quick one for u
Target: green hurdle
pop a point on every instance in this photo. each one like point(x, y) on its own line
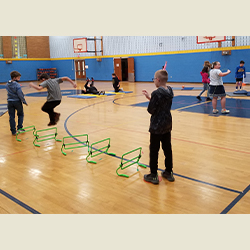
point(24, 130)
point(51, 136)
point(86, 142)
point(127, 163)
point(91, 152)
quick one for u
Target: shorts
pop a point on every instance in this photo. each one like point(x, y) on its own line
point(216, 91)
point(239, 79)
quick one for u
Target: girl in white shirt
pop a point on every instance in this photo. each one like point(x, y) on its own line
point(216, 88)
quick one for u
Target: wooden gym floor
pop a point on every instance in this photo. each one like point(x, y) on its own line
point(210, 152)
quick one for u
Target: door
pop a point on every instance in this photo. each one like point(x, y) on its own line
point(131, 69)
point(118, 67)
point(80, 69)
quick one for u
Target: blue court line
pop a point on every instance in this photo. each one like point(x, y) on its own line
point(33, 211)
point(235, 201)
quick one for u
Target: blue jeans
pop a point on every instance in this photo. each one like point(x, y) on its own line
point(14, 106)
point(205, 87)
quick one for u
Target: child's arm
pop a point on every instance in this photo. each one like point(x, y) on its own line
point(21, 96)
point(226, 73)
point(164, 68)
point(145, 92)
point(65, 78)
point(31, 84)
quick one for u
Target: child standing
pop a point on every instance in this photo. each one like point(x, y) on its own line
point(54, 95)
point(15, 98)
point(239, 72)
point(159, 107)
point(205, 81)
point(216, 88)
point(116, 83)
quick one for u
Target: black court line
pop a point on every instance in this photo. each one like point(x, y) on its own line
point(118, 157)
point(235, 201)
point(20, 203)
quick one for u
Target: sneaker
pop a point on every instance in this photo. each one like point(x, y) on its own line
point(208, 99)
point(14, 134)
point(199, 98)
point(51, 124)
point(21, 130)
point(225, 111)
point(168, 176)
point(57, 116)
point(152, 179)
point(215, 111)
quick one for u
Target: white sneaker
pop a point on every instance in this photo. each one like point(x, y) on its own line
point(215, 111)
point(225, 111)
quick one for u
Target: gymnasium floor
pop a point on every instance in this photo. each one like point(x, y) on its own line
point(210, 152)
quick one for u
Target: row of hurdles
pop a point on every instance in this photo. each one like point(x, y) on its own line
point(80, 143)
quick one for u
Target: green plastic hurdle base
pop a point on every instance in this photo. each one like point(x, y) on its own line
point(130, 162)
point(91, 152)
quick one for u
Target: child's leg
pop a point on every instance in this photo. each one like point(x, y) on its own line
point(237, 83)
point(154, 151)
point(12, 111)
point(214, 102)
point(167, 149)
point(223, 102)
point(20, 115)
point(240, 83)
point(48, 107)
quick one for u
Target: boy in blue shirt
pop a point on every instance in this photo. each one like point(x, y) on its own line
point(15, 98)
point(239, 72)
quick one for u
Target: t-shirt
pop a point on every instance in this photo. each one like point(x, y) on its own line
point(215, 79)
point(54, 91)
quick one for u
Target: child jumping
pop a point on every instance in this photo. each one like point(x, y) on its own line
point(54, 95)
point(159, 107)
point(15, 98)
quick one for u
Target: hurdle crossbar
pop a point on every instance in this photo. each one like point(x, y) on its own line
point(84, 143)
point(24, 130)
point(91, 151)
point(51, 136)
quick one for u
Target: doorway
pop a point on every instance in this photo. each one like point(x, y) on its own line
point(124, 69)
point(80, 72)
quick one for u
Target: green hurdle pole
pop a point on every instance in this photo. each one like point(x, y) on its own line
point(37, 137)
point(127, 163)
point(26, 129)
point(91, 152)
point(74, 143)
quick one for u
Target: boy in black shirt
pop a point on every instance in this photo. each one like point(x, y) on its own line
point(159, 107)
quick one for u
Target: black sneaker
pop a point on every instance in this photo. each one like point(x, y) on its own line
point(199, 98)
point(151, 178)
point(21, 130)
point(168, 176)
point(208, 99)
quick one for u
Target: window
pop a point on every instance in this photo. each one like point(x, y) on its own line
point(19, 48)
point(1, 47)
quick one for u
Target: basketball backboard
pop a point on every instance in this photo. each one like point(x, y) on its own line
point(80, 45)
point(210, 39)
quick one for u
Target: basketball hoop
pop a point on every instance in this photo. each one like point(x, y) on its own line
point(210, 39)
point(80, 45)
